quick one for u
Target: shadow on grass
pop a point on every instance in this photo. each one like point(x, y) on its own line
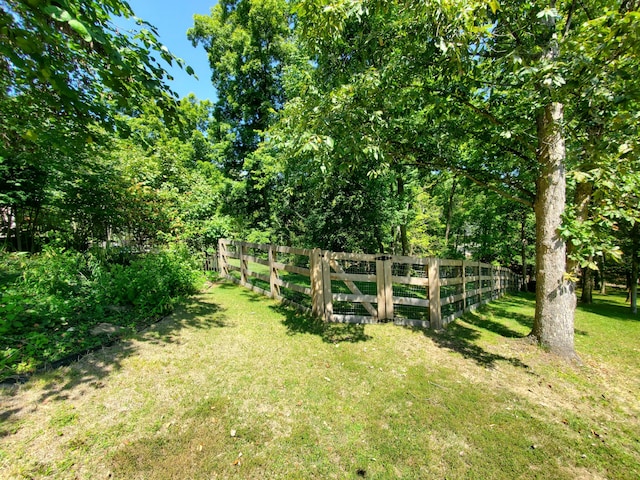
point(250, 295)
point(300, 323)
point(462, 339)
point(88, 370)
point(481, 320)
point(610, 306)
point(463, 335)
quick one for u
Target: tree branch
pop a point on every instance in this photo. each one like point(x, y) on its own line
point(569, 17)
point(494, 120)
point(493, 188)
point(443, 164)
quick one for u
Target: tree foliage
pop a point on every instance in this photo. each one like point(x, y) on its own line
point(78, 59)
point(249, 44)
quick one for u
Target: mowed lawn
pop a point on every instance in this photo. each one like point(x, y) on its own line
point(234, 385)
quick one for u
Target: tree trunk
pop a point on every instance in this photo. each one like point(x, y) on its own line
point(5, 215)
point(555, 294)
point(587, 285)
point(584, 192)
point(603, 285)
point(450, 212)
point(33, 228)
point(523, 239)
point(18, 229)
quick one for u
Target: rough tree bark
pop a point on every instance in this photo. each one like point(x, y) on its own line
point(404, 239)
point(555, 293)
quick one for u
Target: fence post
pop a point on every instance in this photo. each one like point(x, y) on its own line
point(317, 290)
point(274, 288)
point(464, 287)
point(327, 294)
point(382, 314)
point(435, 316)
point(388, 288)
point(496, 282)
point(244, 266)
point(504, 283)
point(480, 287)
point(222, 260)
point(384, 284)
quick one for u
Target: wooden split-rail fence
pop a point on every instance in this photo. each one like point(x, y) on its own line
point(365, 288)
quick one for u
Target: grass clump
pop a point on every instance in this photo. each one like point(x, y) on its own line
point(235, 385)
point(51, 302)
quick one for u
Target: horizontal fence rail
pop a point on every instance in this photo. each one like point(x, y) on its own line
point(365, 288)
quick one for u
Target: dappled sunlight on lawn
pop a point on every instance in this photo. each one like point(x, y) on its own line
point(465, 339)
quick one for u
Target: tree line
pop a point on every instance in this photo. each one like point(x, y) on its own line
point(504, 131)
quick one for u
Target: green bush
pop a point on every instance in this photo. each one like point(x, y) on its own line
point(50, 302)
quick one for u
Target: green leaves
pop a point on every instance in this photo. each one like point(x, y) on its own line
point(85, 76)
point(61, 15)
point(80, 29)
point(549, 15)
point(58, 13)
point(58, 296)
point(250, 45)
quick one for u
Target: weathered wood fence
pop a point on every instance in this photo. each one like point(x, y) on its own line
point(364, 288)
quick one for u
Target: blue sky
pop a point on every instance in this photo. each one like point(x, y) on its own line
point(173, 19)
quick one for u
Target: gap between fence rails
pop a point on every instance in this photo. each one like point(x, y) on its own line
point(404, 289)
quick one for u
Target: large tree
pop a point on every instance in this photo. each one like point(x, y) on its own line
point(249, 44)
point(66, 72)
point(479, 88)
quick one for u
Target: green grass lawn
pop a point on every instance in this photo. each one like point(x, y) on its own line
point(234, 385)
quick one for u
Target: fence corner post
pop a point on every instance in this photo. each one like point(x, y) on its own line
point(317, 289)
point(435, 315)
point(327, 293)
point(274, 288)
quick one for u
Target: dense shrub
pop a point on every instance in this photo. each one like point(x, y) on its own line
point(50, 302)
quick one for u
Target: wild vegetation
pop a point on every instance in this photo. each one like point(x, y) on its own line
point(61, 304)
